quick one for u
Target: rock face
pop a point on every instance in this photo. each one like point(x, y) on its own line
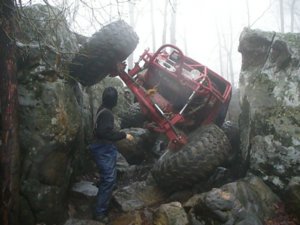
point(56, 114)
point(49, 114)
point(48, 134)
point(247, 201)
point(270, 102)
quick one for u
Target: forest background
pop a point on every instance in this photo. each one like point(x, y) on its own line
point(207, 31)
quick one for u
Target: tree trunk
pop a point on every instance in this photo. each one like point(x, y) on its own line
point(9, 153)
point(185, 44)
point(173, 23)
point(228, 46)
point(281, 16)
point(164, 32)
point(152, 26)
point(131, 21)
point(220, 53)
point(293, 15)
point(248, 13)
point(230, 68)
point(230, 63)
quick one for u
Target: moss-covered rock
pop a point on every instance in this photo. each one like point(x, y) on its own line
point(275, 163)
point(270, 102)
point(50, 114)
point(48, 203)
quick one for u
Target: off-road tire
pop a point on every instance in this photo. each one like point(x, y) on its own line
point(236, 163)
point(132, 117)
point(233, 134)
point(98, 57)
point(207, 149)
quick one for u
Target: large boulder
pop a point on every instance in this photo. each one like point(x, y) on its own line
point(50, 131)
point(138, 195)
point(247, 201)
point(270, 102)
point(170, 214)
point(140, 149)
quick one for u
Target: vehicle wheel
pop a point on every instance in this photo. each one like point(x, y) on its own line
point(233, 134)
point(236, 164)
point(132, 117)
point(98, 57)
point(207, 149)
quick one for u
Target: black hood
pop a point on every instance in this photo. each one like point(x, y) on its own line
point(109, 97)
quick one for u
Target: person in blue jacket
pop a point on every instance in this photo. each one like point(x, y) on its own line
point(104, 151)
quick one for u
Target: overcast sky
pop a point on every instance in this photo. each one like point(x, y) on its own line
point(197, 23)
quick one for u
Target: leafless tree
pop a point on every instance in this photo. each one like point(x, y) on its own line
point(288, 9)
point(228, 47)
point(262, 14)
point(164, 31)
point(220, 51)
point(152, 25)
point(173, 22)
point(292, 11)
point(132, 23)
point(281, 9)
point(185, 43)
point(248, 13)
point(225, 46)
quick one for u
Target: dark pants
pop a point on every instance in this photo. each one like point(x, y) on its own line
point(105, 156)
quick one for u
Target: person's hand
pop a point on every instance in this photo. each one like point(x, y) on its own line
point(129, 137)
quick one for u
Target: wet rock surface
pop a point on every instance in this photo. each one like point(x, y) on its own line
point(269, 95)
point(170, 214)
point(140, 149)
point(243, 202)
point(138, 195)
point(275, 163)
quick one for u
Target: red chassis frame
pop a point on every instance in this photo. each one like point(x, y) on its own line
point(190, 75)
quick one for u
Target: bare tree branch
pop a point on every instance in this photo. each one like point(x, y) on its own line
point(263, 13)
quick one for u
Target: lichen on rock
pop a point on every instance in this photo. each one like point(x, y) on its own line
point(270, 94)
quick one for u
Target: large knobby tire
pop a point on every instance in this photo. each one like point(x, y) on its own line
point(233, 134)
point(98, 57)
point(207, 149)
point(132, 117)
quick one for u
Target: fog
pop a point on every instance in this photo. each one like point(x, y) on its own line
point(206, 30)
